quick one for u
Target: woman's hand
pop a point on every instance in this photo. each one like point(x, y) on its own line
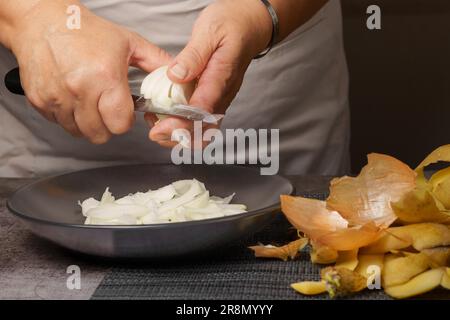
point(78, 78)
point(227, 35)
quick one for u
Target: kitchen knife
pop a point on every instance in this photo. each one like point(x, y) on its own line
point(12, 83)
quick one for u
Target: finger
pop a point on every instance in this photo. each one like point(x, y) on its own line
point(162, 130)
point(34, 100)
point(219, 82)
point(49, 116)
point(65, 117)
point(202, 144)
point(192, 60)
point(42, 111)
point(147, 56)
point(90, 122)
point(167, 144)
point(117, 109)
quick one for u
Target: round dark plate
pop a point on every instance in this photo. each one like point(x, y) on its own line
point(49, 208)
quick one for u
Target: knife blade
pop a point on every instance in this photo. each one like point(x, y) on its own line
point(12, 83)
point(177, 110)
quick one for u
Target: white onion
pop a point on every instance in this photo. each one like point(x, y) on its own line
point(183, 200)
point(162, 92)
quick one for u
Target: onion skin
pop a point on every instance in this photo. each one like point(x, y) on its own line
point(358, 208)
point(327, 227)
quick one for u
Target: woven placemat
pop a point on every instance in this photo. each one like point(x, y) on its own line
point(231, 273)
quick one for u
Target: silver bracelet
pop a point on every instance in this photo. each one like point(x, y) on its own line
point(275, 29)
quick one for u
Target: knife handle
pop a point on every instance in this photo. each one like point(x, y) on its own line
point(12, 82)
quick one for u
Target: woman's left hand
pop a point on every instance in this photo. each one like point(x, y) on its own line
point(227, 35)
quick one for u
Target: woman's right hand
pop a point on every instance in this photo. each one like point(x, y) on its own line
point(79, 77)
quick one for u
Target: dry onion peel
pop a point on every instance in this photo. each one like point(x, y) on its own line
point(358, 209)
point(285, 252)
point(367, 197)
point(324, 226)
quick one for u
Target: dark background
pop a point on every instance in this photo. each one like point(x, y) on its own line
point(399, 78)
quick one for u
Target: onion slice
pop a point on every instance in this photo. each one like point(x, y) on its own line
point(182, 200)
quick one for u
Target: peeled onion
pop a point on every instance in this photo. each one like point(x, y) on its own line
point(162, 92)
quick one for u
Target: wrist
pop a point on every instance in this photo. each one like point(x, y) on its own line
point(32, 16)
point(263, 30)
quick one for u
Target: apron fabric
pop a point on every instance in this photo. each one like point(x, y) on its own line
point(300, 87)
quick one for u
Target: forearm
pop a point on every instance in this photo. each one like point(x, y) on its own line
point(293, 13)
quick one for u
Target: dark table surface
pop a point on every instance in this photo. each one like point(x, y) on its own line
point(32, 268)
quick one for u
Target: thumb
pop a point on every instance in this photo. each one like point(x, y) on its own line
point(192, 60)
point(146, 55)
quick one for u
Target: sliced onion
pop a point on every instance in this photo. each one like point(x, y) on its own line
point(88, 204)
point(114, 211)
point(163, 194)
point(182, 200)
point(199, 201)
point(107, 197)
point(194, 189)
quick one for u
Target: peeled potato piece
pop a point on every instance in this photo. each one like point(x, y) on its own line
point(445, 282)
point(420, 205)
point(420, 284)
point(420, 236)
point(429, 235)
point(440, 183)
point(387, 243)
point(438, 257)
point(347, 259)
point(427, 202)
point(368, 260)
point(401, 269)
point(322, 254)
point(310, 287)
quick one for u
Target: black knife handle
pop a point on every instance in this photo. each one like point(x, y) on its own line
point(12, 82)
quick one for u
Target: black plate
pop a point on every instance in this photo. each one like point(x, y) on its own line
point(49, 208)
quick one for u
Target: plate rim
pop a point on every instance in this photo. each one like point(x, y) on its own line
point(265, 210)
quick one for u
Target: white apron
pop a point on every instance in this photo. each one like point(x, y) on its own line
point(300, 87)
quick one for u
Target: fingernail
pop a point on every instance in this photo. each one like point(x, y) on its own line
point(179, 71)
